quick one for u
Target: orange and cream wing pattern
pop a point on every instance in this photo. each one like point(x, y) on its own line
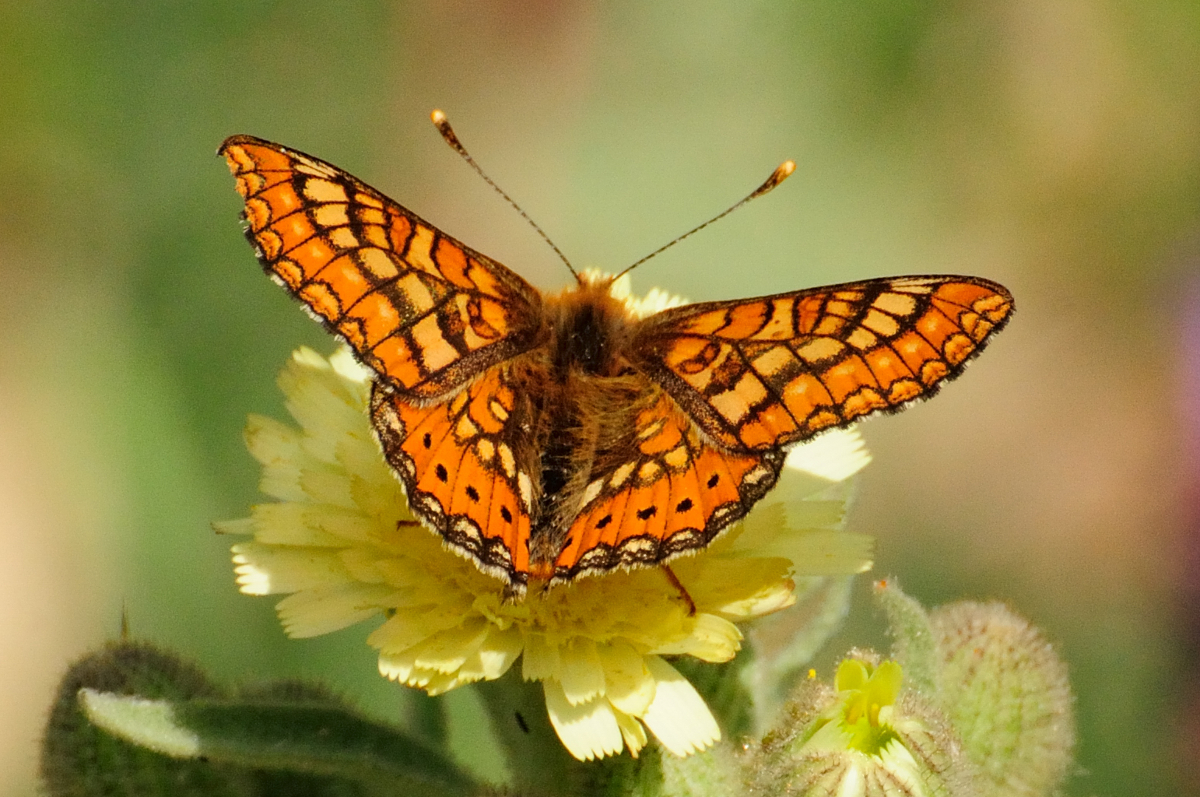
point(758, 374)
point(424, 311)
point(669, 492)
point(467, 468)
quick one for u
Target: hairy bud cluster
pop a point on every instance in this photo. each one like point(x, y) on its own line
point(978, 704)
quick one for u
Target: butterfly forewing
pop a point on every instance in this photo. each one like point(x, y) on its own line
point(421, 309)
point(762, 373)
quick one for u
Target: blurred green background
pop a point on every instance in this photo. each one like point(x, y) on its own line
point(1053, 145)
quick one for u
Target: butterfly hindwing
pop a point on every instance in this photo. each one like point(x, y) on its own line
point(467, 469)
point(758, 374)
point(668, 494)
point(424, 311)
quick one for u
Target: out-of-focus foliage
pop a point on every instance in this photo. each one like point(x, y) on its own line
point(1053, 146)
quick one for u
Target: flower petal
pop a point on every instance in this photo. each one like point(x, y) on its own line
point(438, 683)
point(277, 447)
point(322, 400)
point(775, 516)
point(834, 456)
point(678, 716)
point(328, 608)
point(632, 731)
point(712, 638)
point(405, 630)
point(346, 366)
point(271, 569)
point(541, 659)
point(493, 658)
point(588, 730)
point(628, 684)
point(823, 552)
point(402, 668)
point(328, 487)
point(241, 526)
point(737, 587)
point(294, 523)
point(581, 675)
point(446, 650)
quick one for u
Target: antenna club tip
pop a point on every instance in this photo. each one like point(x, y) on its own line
point(443, 127)
point(781, 173)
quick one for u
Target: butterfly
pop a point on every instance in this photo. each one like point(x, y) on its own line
point(552, 436)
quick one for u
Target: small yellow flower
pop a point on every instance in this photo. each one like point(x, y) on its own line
point(340, 539)
point(867, 696)
point(869, 739)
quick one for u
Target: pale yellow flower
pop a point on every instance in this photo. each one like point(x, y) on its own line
point(340, 539)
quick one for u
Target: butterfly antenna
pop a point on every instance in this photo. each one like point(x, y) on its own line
point(443, 125)
point(781, 173)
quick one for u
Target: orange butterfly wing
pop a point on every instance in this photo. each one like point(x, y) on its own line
point(433, 318)
point(673, 493)
point(421, 309)
point(468, 468)
point(758, 374)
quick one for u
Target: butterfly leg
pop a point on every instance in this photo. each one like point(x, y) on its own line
point(691, 604)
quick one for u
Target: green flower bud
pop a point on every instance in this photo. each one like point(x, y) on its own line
point(1006, 692)
point(81, 760)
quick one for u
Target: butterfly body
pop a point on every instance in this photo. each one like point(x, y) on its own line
point(549, 437)
point(584, 399)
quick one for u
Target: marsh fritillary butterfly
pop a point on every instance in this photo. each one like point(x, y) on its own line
point(553, 436)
